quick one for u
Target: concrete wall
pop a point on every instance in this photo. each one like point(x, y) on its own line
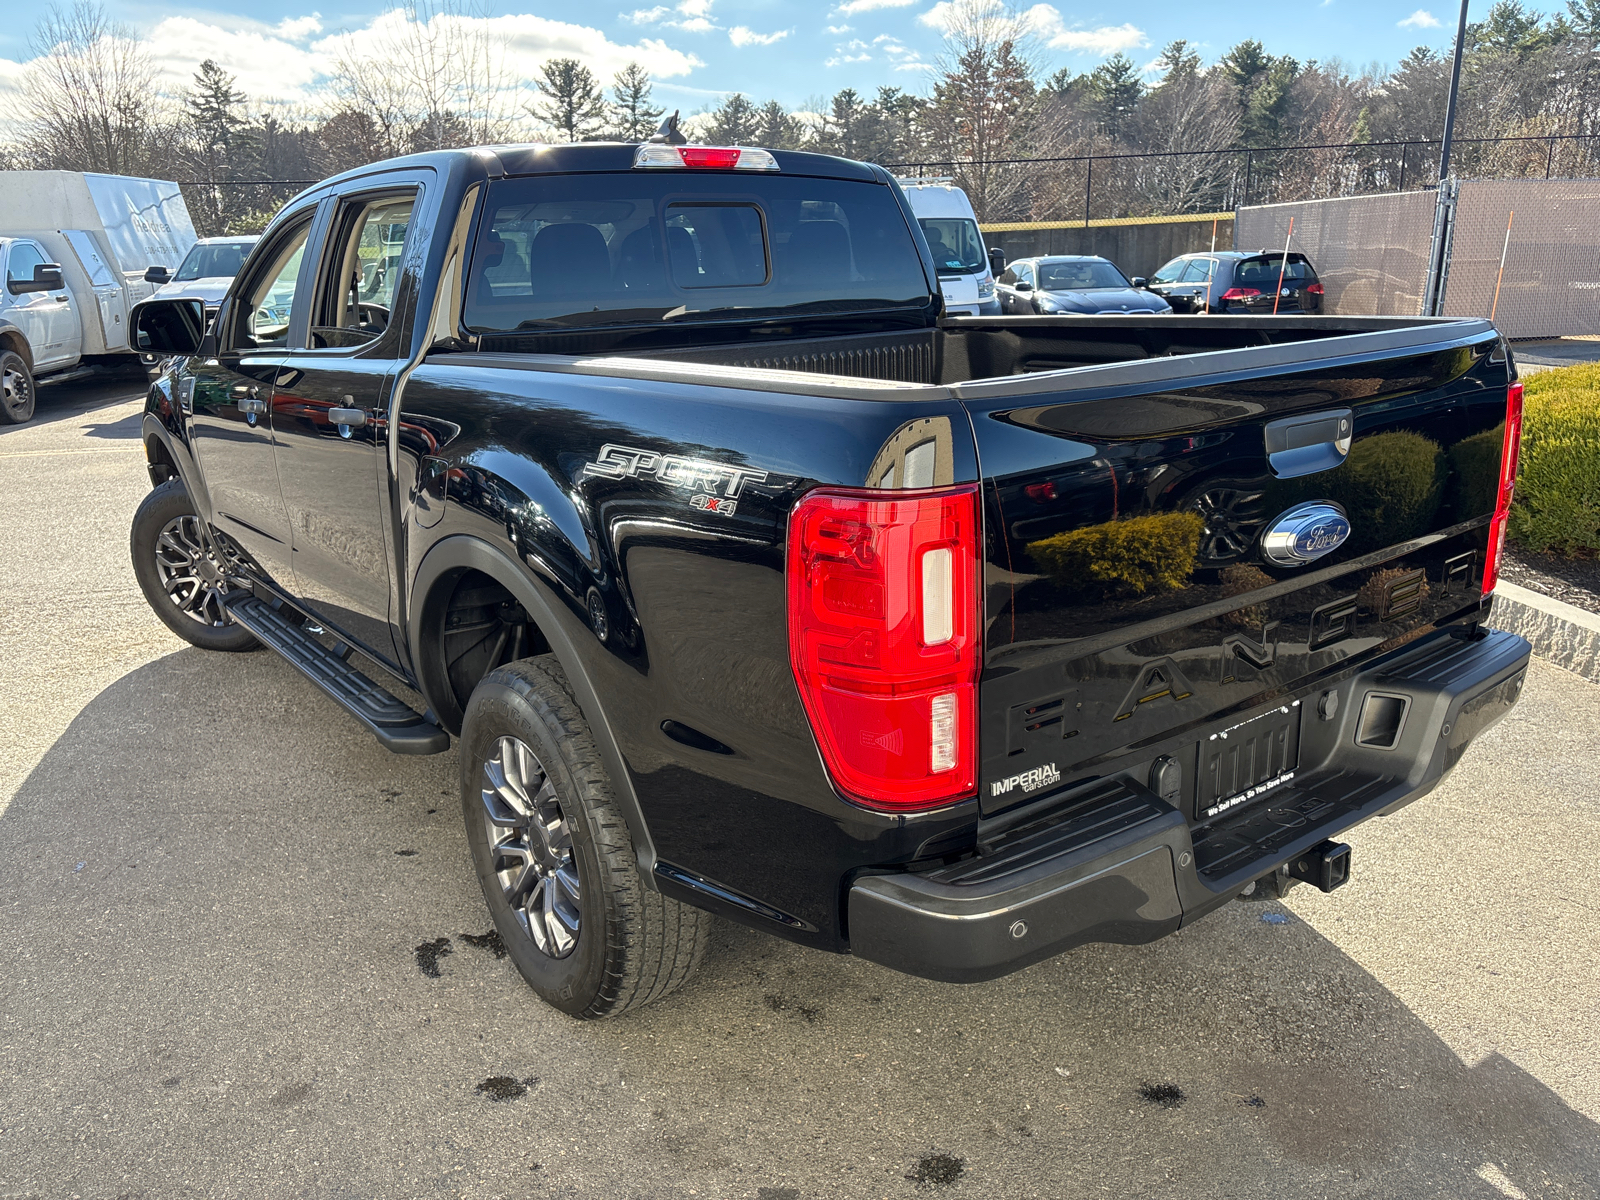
point(1136, 244)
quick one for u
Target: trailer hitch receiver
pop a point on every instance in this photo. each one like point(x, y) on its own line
point(1326, 865)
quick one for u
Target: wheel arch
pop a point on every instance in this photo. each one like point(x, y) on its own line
point(11, 338)
point(441, 569)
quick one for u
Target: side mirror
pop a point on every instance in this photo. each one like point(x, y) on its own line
point(1022, 285)
point(158, 275)
point(997, 260)
point(1139, 281)
point(46, 278)
point(169, 326)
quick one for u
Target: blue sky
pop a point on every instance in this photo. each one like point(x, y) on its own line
point(794, 51)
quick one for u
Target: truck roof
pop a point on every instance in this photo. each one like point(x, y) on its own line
point(535, 158)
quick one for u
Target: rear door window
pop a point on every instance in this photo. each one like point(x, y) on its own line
point(636, 247)
point(1199, 270)
point(1172, 272)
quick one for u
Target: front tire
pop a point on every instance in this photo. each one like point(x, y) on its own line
point(554, 856)
point(18, 393)
point(178, 571)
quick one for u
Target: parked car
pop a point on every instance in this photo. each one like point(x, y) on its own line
point(751, 586)
point(1231, 281)
point(1072, 283)
point(946, 219)
point(76, 248)
point(206, 271)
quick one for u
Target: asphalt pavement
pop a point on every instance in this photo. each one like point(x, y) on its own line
point(241, 955)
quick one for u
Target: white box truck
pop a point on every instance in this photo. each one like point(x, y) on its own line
point(951, 227)
point(74, 249)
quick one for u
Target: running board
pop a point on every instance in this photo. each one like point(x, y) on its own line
point(396, 725)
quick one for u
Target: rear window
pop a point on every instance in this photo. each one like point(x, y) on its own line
point(1263, 269)
point(627, 248)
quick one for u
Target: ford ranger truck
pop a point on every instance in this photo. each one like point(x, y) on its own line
point(744, 582)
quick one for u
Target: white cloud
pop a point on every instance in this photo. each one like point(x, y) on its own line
point(1045, 23)
point(289, 63)
point(1421, 19)
point(297, 29)
point(691, 16)
point(740, 36)
point(851, 7)
point(837, 59)
point(840, 28)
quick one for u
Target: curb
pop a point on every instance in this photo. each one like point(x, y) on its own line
point(1559, 632)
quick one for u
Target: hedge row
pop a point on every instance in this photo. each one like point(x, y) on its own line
point(1558, 486)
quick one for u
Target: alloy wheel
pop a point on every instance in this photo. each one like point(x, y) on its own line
point(1233, 517)
point(190, 574)
point(530, 845)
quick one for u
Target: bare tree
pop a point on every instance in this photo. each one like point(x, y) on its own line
point(430, 75)
point(88, 100)
point(1190, 109)
point(984, 101)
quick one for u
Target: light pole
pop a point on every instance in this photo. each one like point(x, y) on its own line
point(1455, 88)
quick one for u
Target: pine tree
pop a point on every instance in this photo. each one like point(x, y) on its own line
point(777, 130)
point(633, 117)
point(573, 105)
point(1114, 90)
point(211, 106)
point(735, 122)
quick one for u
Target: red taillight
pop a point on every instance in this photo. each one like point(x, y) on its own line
point(1510, 450)
point(717, 158)
point(884, 640)
point(1241, 293)
point(1314, 288)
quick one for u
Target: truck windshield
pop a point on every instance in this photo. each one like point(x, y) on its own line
point(625, 248)
point(956, 245)
point(213, 260)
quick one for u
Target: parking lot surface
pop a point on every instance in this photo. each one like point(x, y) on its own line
point(241, 955)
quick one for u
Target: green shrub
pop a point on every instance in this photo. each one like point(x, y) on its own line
point(1558, 486)
point(1391, 487)
point(1134, 555)
point(1475, 474)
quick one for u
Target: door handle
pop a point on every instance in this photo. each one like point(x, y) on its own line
point(353, 417)
point(253, 405)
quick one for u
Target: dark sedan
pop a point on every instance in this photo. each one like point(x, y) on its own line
point(1072, 283)
point(1233, 281)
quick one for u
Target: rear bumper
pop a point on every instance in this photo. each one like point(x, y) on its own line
point(1117, 864)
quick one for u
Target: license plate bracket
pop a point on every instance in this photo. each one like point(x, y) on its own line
point(1247, 761)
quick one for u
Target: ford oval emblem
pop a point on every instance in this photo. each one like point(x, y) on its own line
point(1305, 533)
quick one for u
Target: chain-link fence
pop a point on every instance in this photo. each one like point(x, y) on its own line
point(1551, 282)
point(1094, 186)
point(1525, 252)
point(1370, 252)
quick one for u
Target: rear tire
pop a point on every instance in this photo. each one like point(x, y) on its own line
point(181, 579)
point(554, 857)
point(18, 393)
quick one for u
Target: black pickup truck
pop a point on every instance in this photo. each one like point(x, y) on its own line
point(752, 586)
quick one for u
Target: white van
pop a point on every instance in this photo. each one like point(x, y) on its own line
point(74, 249)
point(951, 227)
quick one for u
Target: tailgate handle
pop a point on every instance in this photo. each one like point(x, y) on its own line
point(1307, 444)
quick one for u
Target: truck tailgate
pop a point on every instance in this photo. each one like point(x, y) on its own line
point(1138, 617)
